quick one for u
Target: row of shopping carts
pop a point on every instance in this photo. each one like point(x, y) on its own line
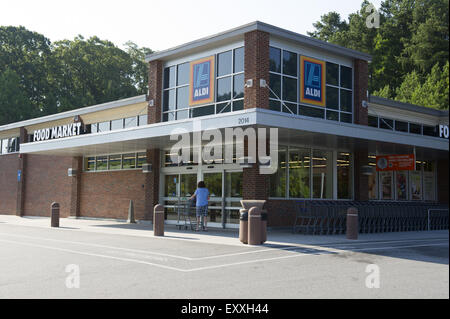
point(329, 217)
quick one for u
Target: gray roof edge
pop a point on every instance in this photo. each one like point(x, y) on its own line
point(407, 106)
point(79, 111)
point(258, 25)
point(309, 41)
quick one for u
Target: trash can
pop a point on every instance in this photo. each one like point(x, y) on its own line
point(54, 217)
point(254, 226)
point(243, 225)
point(263, 226)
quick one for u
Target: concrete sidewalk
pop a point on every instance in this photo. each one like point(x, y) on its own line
point(213, 236)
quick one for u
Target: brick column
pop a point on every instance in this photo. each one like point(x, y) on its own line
point(155, 78)
point(361, 78)
point(155, 86)
point(256, 67)
point(361, 84)
point(152, 183)
point(75, 187)
point(254, 184)
point(22, 166)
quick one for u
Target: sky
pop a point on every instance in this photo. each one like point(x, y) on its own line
point(163, 24)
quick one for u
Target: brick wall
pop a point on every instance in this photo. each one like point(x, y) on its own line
point(256, 67)
point(361, 78)
point(8, 183)
point(155, 77)
point(46, 181)
point(108, 194)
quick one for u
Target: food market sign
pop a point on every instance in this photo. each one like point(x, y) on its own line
point(56, 132)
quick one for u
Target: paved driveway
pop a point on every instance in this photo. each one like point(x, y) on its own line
point(105, 259)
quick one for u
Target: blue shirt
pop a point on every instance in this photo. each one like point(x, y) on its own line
point(201, 195)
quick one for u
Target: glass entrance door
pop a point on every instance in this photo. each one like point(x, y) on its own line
point(233, 196)
point(225, 189)
point(213, 182)
point(177, 187)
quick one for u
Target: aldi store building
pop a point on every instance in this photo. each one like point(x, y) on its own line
point(335, 141)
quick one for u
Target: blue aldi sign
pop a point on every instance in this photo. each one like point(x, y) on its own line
point(312, 81)
point(202, 81)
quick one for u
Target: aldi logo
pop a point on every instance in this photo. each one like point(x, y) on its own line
point(202, 81)
point(312, 81)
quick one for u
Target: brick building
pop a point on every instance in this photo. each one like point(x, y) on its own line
point(330, 136)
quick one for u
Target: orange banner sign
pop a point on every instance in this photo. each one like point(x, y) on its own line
point(396, 162)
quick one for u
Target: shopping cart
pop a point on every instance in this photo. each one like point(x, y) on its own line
point(186, 214)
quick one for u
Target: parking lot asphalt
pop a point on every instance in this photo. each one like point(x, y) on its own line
point(116, 260)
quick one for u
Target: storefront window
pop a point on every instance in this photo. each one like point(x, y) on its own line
point(104, 126)
point(188, 184)
point(322, 174)
point(115, 162)
point(141, 159)
point(183, 74)
point(278, 179)
point(386, 185)
point(89, 163)
point(143, 119)
point(299, 172)
point(373, 185)
point(429, 192)
point(416, 185)
point(213, 182)
point(129, 161)
point(401, 185)
point(224, 63)
point(233, 184)
point(102, 163)
point(344, 175)
point(170, 185)
point(130, 122)
point(229, 88)
point(290, 63)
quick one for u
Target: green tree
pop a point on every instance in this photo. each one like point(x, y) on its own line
point(412, 38)
point(328, 26)
point(29, 55)
point(15, 104)
point(140, 67)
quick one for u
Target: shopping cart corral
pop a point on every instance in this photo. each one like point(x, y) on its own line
point(186, 214)
point(329, 217)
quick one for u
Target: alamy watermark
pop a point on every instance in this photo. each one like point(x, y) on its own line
point(232, 145)
point(73, 279)
point(373, 279)
point(373, 19)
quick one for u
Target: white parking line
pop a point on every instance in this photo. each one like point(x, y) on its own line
point(99, 246)
point(327, 250)
point(91, 254)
